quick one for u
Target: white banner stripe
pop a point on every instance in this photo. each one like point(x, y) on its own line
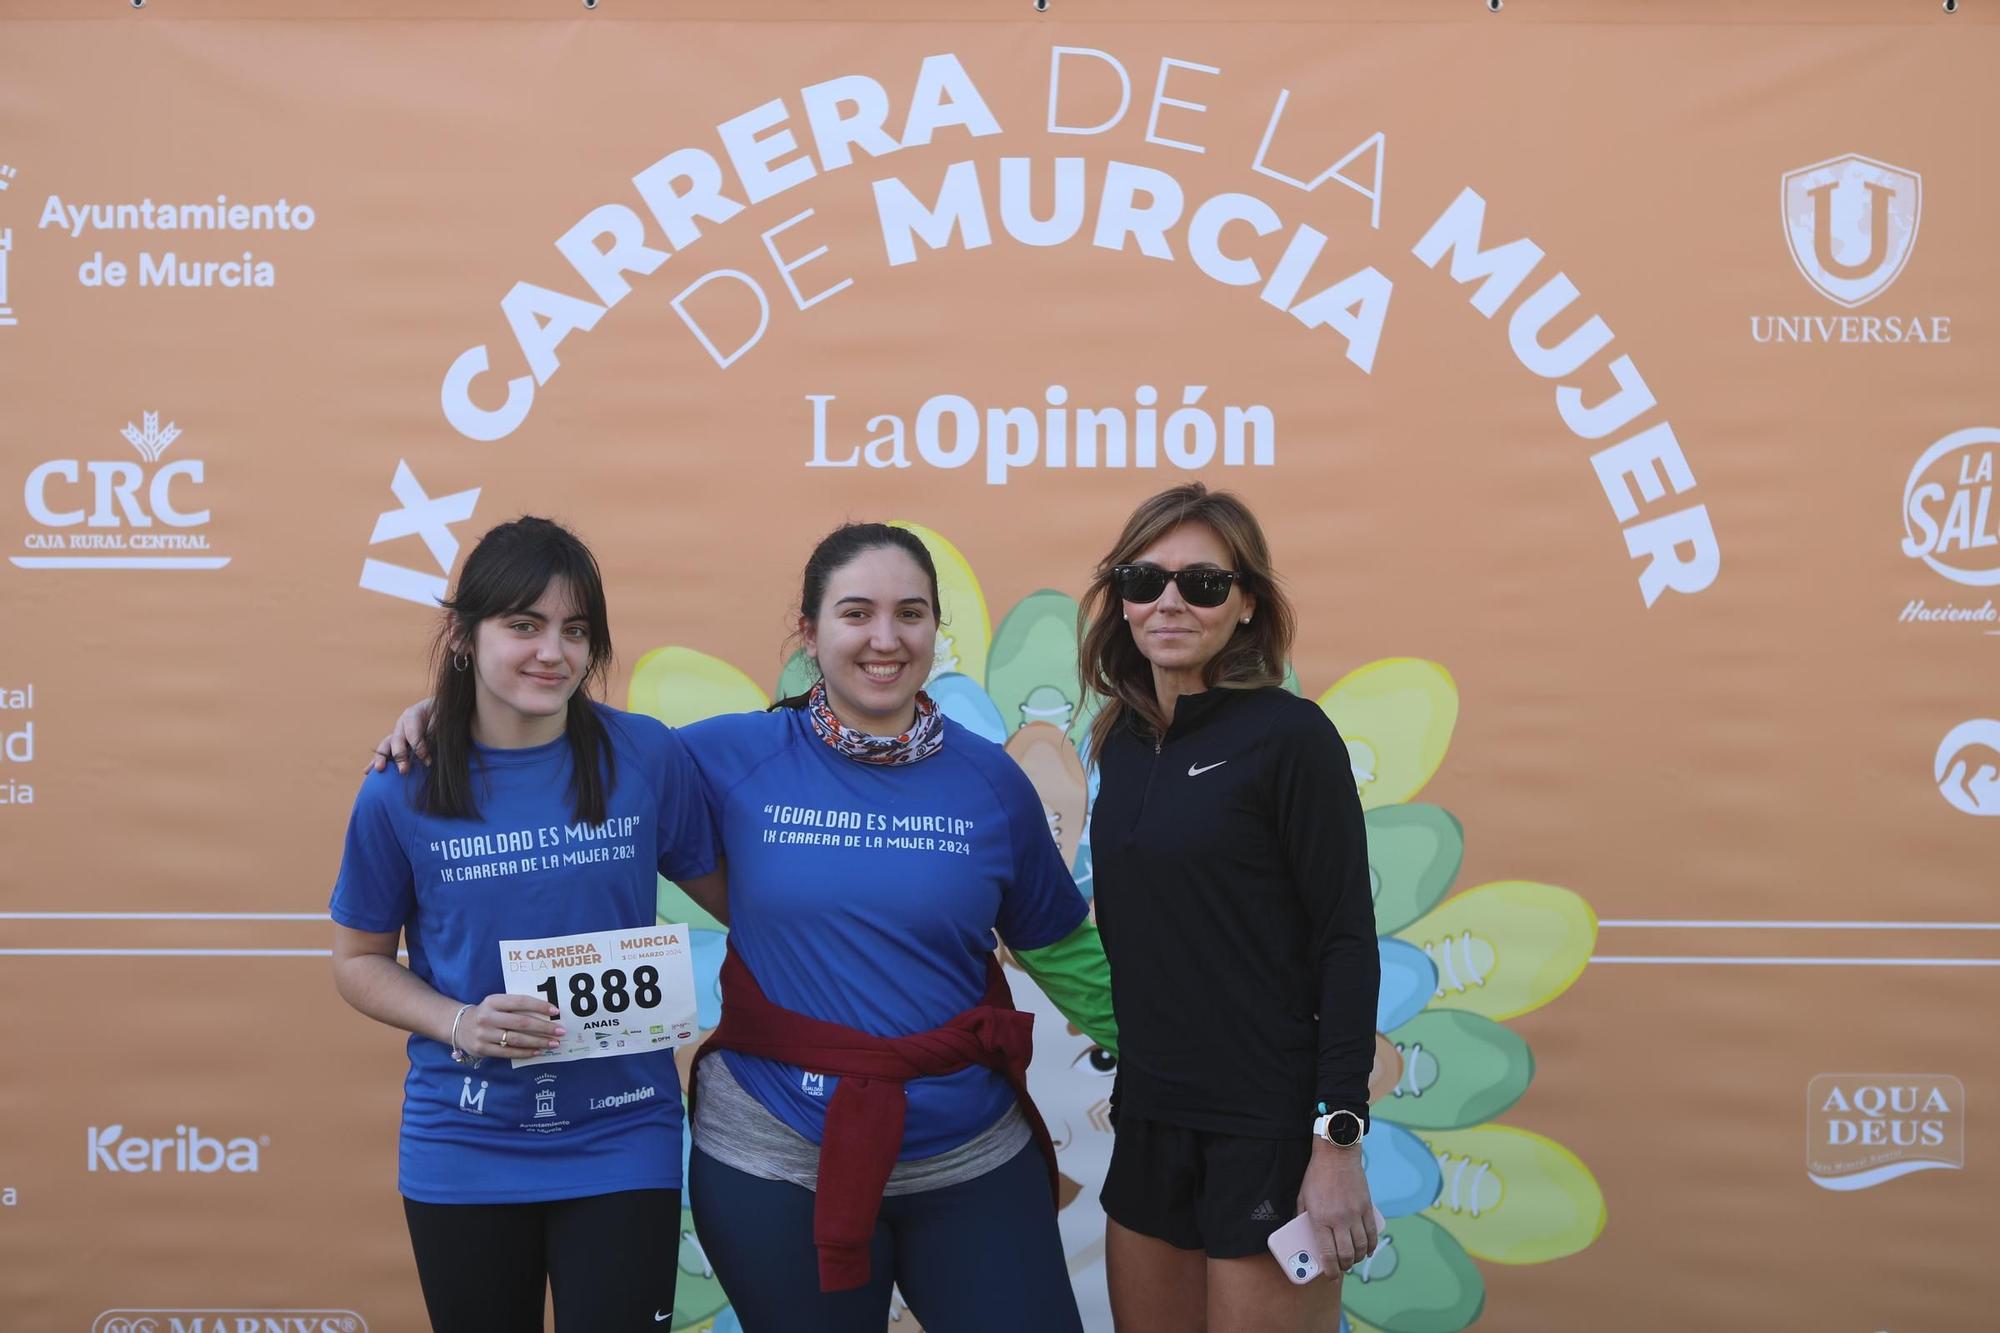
point(166, 953)
point(1635, 924)
point(1609, 923)
point(1659, 960)
point(1746, 961)
point(164, 916)
point(120, 561)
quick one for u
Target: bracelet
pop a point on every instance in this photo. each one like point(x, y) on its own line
point(459, 1056)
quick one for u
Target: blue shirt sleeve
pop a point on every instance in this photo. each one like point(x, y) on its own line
point(689, 838)
point(1040, 903)
point(375, 890)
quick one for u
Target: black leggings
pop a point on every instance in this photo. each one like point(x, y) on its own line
point(609, 1257)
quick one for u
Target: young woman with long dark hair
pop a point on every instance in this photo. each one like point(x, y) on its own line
point(1233, 896)
point(542, 814)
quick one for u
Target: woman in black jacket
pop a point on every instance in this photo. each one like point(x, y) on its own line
point(1233, 897)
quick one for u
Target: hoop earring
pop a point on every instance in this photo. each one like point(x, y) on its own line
point(460, 661)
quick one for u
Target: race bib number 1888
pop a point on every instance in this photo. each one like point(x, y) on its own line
point(620, 991)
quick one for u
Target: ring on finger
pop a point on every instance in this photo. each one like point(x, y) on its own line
point(505, 1038)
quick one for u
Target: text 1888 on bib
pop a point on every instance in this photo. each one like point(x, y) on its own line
point(620, 991)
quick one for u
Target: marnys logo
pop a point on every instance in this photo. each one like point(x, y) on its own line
point(188, 1150)
point(1851, 225)
point(1967, 768)
point(224, 1320)
point(1949, 523)
point(1865, 1129)
point(126, 507)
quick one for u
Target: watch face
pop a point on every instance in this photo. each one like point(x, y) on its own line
point(1343, 1129)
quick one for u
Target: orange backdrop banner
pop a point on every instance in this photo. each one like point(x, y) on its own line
point(1617, 393)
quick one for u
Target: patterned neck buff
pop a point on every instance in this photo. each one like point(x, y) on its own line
point(924, 738)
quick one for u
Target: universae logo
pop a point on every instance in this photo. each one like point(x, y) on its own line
point(1864, 1130)
point(118, 514)
point(1851, 223)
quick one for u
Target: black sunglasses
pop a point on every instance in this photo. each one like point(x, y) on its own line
point(1199, 587)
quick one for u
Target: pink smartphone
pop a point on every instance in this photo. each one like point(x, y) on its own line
point(1295, 1246)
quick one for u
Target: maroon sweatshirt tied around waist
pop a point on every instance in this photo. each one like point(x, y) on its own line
point(864, 1118)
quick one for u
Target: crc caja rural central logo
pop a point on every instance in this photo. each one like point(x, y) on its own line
point(114, 513)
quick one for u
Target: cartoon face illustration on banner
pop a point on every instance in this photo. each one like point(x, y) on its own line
point(1851, 223)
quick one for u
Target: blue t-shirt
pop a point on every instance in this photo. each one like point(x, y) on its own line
point(526, 869)
point(867, 895)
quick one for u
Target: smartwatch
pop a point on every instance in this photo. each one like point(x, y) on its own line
point(1343, 1129)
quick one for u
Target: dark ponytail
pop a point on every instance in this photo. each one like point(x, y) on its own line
point(844, 544)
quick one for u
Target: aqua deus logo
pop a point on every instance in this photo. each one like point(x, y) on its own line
point(1864, 1130)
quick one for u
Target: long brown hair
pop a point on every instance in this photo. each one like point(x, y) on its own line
point(1109, 662)
point(508, 571)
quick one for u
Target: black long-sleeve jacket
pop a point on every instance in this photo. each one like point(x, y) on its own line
point(1232, 891)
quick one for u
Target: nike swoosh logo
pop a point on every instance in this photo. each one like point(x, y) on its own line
point(1194, 772)
point(659, 1318)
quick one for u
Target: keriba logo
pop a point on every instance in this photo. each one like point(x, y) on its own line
point(1863, 1130)
point(1851, 223)
point(188, 1150)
